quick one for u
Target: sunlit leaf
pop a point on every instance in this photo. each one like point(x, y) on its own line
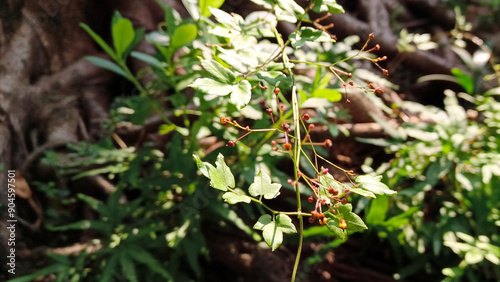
point(272, 231)
point(262, 186)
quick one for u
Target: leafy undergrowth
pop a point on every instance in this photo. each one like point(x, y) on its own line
point(247, 101)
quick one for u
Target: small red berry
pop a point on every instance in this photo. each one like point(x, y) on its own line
point(328, 143)
point(386, 72)
point(377, 47)
point(277, 90)
point(344, 84)
point(370, 85)
point(379, 90)
point(321, 215)
point(344, 201)
point(247, 128)
point(285, 126)
point(325, 171)
point(310, 199)
point(347, 101)
point(371, 35)
point(311, 126)
point(269, 111)
point(289, 181)
point(306, 117)
point(275, 148)
point(333, 191)
point(311, 220)
point(347, 190)
point(231, 143)
point(223, 120)
point(342, 224)
point(351, 83)
point(287, 146)
point(314, 213)
point(273, 143)
point(349, 75)
point(282, 107)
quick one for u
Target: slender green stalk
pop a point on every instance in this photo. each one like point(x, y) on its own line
point(297, 154)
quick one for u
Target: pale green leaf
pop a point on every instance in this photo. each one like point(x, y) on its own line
point(373, 184)
point(220, 72)
point(308, 34)
point(202, 166)
point(212, 87)
point(221, 176)
point(242, 92)
point(234, 198)
point(262, 186)
point(362, 192)
point(272, 231)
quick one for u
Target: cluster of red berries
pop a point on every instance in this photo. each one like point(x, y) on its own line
point(321, 217)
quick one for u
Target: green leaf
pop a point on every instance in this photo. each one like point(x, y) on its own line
point(377, 211)
point(123, 35)
point(100, 41)
point(242, 92)
point(327, 181)
point(205, 4)
point(330, 94)
point(138, 35)
point(220, 72)
point(166, 128)
point(333, 226)
point(105, 64)
point(308, 34)
point(212, 87)
point(183, 35)
point(363, 192)
point(291, 5)
point(272, 231)
point(234, 198)
point(128, 268)
point(464, 80)
point(147, 58)
point(262, 186)
point(373, 184)
point(331, 6)
point(354, 222)
point(273, 77)
point(109, 269)
point(202, 166)
point(221, 177)
point(142, 256)
point(83, 225)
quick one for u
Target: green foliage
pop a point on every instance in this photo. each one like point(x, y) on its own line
point(150, 223)
point(446, 204)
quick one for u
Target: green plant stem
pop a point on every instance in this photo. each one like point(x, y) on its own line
point(296, 168)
